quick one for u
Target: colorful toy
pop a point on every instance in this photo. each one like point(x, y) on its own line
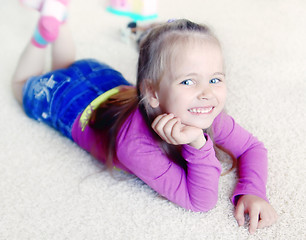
point(138, 10)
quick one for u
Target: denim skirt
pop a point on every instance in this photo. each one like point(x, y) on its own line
point(58, 97)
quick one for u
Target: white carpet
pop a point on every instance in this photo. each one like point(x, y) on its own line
point(50, 189)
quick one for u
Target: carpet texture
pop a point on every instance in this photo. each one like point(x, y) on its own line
point(51, 189)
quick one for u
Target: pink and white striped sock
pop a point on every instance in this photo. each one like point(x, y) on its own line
point(53, 14)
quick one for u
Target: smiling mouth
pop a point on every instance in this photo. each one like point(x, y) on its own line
point(201, 110)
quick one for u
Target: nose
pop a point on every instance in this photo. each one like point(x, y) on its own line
point(206, 92)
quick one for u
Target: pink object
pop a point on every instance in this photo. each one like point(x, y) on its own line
point(48, 28)
point(36, 44)
point(53, 14)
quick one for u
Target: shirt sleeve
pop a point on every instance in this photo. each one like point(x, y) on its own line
point(195, 189)
point(250, 153)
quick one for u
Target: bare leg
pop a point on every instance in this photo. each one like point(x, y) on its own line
point(32, 60)
point(31, 63)
point(50, 29)
point(63, 49)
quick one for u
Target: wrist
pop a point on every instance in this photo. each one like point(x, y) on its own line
point(199, 142)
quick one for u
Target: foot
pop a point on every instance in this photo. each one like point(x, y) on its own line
point(53, 14)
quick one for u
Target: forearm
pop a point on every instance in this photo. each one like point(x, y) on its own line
point(253, 171)
point(251, 155)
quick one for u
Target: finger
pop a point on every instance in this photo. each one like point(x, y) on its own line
point(254, 217)
point(262, 224)
point(156, 125)
point(164, 127)
point(168, 130)
point(160, 121)
point(267, 219)
point(176, 131)
point(263, 220)
point(156, 120)
point(176, 134)
point(239, 214)
point(159, 124)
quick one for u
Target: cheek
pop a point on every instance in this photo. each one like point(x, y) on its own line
point(171, 103)
point(224, 95)
point(221, 94)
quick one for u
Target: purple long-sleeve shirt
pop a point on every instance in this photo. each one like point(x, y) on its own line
point(197, 188)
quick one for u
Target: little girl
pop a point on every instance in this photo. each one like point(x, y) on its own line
point(165, 130)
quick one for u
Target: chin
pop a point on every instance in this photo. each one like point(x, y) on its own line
point(205, 127)
point(200, 125)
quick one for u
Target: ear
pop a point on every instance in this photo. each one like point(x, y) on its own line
point(153, 99)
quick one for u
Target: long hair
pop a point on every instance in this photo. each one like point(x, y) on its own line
point(155, 52)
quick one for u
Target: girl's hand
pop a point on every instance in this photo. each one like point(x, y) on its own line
point(171, 130)
point(261, 213)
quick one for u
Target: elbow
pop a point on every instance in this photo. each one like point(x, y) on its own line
point(204, 205)
point(206, 208)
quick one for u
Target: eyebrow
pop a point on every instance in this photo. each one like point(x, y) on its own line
point(192, 74)
point(219, 73)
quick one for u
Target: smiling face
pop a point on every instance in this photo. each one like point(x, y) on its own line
point(194, 88)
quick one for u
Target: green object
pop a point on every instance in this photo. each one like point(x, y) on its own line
point(134, 16)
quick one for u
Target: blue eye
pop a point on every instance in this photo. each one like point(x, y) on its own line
point(215, 80)
point(187, 82)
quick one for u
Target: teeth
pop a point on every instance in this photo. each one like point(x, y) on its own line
point(200, 110)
